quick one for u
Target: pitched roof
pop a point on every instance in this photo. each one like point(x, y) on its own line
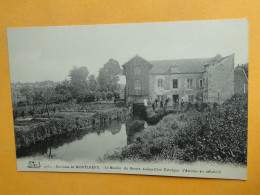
point(138, 58)
point(195, 65)
point(242, 69)
point(185, 65)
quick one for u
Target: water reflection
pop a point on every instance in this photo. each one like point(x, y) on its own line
point(86, 144)
point(46, 146)
point(133, 127)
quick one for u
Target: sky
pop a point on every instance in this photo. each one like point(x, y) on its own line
point(49, 53)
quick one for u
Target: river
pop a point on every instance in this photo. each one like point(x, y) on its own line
point(87, 145)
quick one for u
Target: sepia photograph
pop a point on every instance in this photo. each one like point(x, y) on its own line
point(166, 98)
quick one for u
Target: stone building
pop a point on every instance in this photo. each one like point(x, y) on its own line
point(241, 79)
point(203, 79)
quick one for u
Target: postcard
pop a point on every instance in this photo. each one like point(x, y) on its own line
point(166, 98)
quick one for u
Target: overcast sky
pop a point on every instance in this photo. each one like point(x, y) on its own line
point(49, 53)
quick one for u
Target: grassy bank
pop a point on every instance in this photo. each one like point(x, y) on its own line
point(216, 133)
point(40, 110)
point(63, 122)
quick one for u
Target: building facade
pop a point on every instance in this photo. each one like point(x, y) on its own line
point(241, 79)
point(190, 80)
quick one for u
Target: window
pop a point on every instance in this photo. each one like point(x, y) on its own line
point(189, 83)
point(137, 84)
point(160, 82)
point(137, 87)
point(174, 69)
point(175, 83)
point(137, 70)
point(191, 98)
point(201, 83)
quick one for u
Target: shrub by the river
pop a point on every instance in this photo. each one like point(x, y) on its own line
point(154, 117)
point(219, 133)
point(26, 135)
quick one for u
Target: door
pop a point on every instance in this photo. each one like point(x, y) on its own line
point(175, 99)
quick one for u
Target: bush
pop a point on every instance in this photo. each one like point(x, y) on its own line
point(116, 95)
point(109, 95)
point(89, 97)
point(98, 95)
point(219, 133)
point(21, 104)
point(120, 103)
point(80, 99)
point(154, 117)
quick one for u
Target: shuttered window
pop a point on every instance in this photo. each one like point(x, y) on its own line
point(201, 83)
point(137, 87)
point(175, 83)
point(137, 70)
point(189, 83)
point(137, 84)
point(160, 82)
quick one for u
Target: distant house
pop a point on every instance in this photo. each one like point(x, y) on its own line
point(203, 79)
point(241, 79)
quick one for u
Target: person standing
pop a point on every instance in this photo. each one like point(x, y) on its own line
point(166, 103)
point(182, 104)
point(156, 102)
point(161, 103)
point(177, 105)
point(149, 103)
point(153, 105)
point(145, 102)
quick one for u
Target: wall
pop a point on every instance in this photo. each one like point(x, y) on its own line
point(240, 82)
point(182, 90)
point(221, 80)
point(129, 69)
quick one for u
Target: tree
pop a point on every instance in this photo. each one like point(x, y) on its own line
point(63, 92)
point(92, 83)
point(27, 91)
point(45, 96)
point(78, 75)
point(78, 79)
point(108, 76)
point(48, 98)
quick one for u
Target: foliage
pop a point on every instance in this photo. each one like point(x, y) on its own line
point(63, 92)
point(108, 76)
point(28, 93)
point(109, 95)
point(78, 75)
point(116, 95)
point(90, 97)
point(120, 103)
point(78, 80)
point(92, 83)
point(154, 117)
point(98, 95)
point(61, 123)
point(219, 133)
point(135, 125)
